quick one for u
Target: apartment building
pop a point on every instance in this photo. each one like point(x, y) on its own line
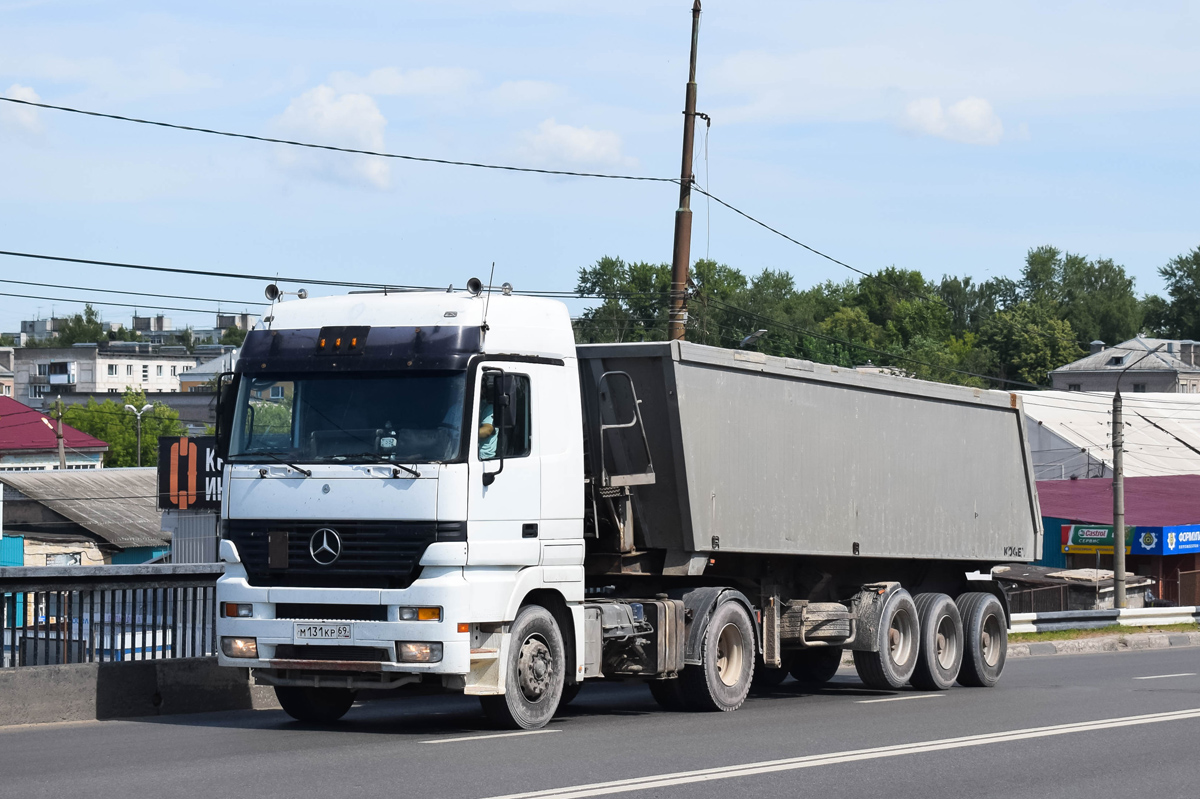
point(109, 367)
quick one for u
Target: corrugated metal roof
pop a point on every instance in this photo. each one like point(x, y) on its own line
point(118, 505)
point(1133, 352)
point(210, 369)
point(23, 428)
point(1149, 501)
point(1162, 431)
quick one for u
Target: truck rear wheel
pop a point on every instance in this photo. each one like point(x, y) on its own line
point(941, 650)
point(726, 669)
point(668, 694)
point(985, 630)
point(816, 666)
point(897, 643)
point(767, 679)
point(536, 673)
point(320, 705)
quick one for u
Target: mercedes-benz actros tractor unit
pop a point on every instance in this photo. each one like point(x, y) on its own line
point(442, 487)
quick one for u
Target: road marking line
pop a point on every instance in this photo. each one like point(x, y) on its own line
point(900, 698)
point(1164, 676)
point(484, 737)
point(810, 761)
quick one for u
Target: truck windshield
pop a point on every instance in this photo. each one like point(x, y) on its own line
point(413, 418)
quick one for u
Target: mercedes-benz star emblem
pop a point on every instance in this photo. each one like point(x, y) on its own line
point(325, 546)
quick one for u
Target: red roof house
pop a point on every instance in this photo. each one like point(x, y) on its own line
point(29, 441)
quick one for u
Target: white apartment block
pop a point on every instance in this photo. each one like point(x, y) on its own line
point(90, 368)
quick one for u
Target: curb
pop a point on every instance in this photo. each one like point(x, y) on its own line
point(1108, 643)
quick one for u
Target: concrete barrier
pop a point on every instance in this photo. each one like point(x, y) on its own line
point(1087, 619)
point(84, 691)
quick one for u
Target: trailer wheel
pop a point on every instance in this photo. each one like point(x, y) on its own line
point(767, 679)
point(534, 684)
point(569, 692)
point(897, 641)
point(320, 705)
point(986, 632)
point(726, 669)
point(816, 666)
point(941, 642)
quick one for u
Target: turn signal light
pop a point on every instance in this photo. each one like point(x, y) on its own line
point(420, 614)
point(239, 647)
point(464, 627)
point(234, 610)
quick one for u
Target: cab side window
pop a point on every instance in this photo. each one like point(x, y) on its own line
point(505, 421)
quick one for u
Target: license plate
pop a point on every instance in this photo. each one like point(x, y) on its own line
point(324, 632)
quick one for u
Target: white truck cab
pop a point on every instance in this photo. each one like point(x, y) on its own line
point(402, 472)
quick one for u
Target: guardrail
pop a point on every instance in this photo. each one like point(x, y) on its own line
point(87, 614)
point(1087, 619)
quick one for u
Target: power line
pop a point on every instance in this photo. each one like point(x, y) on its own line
point(351, 150)
point(130, 293)
point(114, 304)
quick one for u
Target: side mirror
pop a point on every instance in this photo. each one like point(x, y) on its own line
point(226, 407)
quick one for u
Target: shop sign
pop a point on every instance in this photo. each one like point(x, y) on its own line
point(1088, 539)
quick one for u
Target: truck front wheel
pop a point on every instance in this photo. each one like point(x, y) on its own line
point(816, 666)
point(897, 644)
point(320, 705)
point(536, 673)
point(726, 669)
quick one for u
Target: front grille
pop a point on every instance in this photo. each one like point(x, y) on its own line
point(374, 554)
point(369, 654)
point(318, 612)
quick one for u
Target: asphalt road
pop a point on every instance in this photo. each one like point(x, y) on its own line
point(1090, 726)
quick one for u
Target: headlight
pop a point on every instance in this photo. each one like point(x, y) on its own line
point(234, 610)
point(418, 652)
point(239, 647)
point(420, 614)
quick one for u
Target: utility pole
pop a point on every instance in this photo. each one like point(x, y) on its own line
point(62, 453)
point(681, 255)
point(1118, 447)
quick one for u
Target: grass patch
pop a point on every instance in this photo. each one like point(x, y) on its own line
point(1096, 632)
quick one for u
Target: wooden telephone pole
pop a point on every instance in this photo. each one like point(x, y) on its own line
point(682, 253)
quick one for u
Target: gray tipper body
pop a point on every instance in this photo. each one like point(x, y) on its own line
point(759, 454)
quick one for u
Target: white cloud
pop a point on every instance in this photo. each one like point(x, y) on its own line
point(970, 120)
point(325, 116)
point(515, 94)
point(394, 82)
point(23, 118)
point(555, 144)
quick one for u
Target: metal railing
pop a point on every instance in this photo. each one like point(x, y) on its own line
point(86, 614)
point(1039, 600)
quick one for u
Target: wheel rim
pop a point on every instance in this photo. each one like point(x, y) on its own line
point(947, 643)
point(731, 654)
point(990, 639)
point(535, 668)
point(900, 637)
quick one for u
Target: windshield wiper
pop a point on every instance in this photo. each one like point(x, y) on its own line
point(277, 459)
point(377, 458)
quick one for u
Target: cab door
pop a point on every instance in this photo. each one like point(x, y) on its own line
point(504, 467)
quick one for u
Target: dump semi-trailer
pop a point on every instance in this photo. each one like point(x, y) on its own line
point(444, 488)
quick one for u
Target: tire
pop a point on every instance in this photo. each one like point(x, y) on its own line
point(898, 642)
point(668, 694)
point(570, 691)
point(985, 631)
point(816, 666)
point(722, 680)
point(319, 705)
point(766, 679)
point(942, 641)
point(533, 686)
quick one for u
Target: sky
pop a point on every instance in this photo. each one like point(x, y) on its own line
point(947, 137)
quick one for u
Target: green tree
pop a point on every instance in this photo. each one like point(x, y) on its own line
point(1179, 316)
point(117, 427)
point(234, 336)
point(1029, 341)
point(1098, 300)
point(81, 328)
point(633, 303)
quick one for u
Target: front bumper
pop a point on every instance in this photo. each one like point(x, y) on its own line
point(442, 587)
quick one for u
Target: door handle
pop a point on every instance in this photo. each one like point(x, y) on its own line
point(529, 531)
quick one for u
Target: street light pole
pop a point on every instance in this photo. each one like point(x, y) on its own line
point(1118, 446)
point(138, 414)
